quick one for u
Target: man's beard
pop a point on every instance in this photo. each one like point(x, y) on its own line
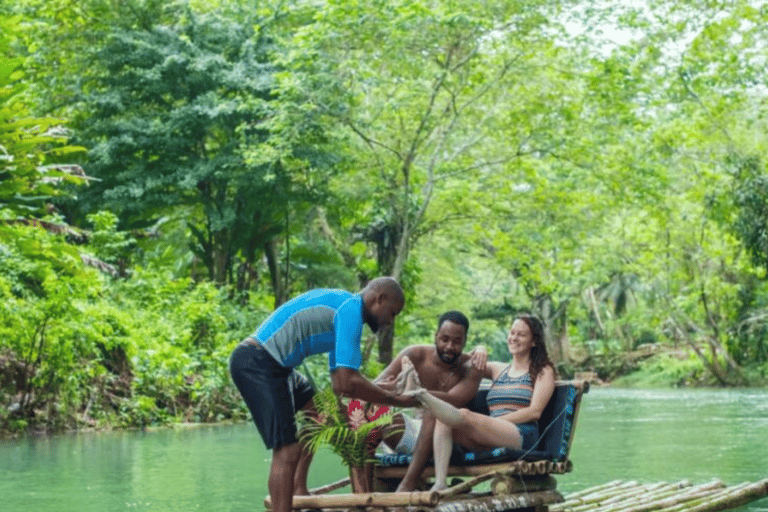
point(373, 324)
point(447, 357)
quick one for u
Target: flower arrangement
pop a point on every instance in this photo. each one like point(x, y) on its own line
point(352, 432)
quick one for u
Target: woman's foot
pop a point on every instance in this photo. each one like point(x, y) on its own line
point(438, 486)
point(408, 382)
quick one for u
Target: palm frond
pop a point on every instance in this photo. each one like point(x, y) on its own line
point(331, 428)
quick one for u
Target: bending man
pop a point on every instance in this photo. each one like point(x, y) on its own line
point(262, 367)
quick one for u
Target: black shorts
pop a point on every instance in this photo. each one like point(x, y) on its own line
point(272, 392)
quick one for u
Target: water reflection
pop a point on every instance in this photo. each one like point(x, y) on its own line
point(649, 436)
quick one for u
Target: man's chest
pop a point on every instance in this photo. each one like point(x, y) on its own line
point(439, 379)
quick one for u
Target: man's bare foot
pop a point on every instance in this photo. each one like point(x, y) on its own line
point(404, 487)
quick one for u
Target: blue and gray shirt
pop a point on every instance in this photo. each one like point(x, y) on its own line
point(313, 323)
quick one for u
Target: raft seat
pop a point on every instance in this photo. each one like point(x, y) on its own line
point(550, 456)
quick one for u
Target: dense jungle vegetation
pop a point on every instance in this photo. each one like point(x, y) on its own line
point(172, 171)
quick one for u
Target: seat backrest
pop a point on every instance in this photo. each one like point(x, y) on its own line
point(557, 422)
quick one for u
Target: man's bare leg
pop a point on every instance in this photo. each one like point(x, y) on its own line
point(281, 475)
point(442, 445)
point(305, 458)
point(302, 471)
point(421, 454)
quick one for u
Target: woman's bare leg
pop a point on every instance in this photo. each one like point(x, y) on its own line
point(471, 429)
point(444, 411)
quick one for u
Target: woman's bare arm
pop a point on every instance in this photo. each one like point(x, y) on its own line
point(542, 392)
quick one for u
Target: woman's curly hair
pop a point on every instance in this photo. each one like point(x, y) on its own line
point(539, 356)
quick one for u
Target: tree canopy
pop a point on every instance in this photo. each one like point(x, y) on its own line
point(599, 164)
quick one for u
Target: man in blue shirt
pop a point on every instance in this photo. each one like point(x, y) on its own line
point(262, 367)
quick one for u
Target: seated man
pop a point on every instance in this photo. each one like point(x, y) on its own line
point(442, 369)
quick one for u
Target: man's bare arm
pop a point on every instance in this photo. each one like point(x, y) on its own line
point(464, 390)
point(348, 382)
point(387, 378)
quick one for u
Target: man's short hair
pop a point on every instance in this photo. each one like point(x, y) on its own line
point(456, 317)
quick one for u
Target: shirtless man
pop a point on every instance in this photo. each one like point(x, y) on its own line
point(446, 372)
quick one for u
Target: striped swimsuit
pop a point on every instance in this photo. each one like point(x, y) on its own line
point(509, 394)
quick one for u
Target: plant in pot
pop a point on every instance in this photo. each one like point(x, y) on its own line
point(351, 431)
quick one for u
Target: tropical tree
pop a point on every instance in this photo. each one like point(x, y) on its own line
point(425, 93)
point(178, 120)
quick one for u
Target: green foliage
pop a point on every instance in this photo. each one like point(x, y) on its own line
point(496, 158)
point(92, 352)
point(665, 370)
point(332, 429)
point(188, 114)
point(750, 196)
point(32, 149)
point(42, 287)
point(107, 243)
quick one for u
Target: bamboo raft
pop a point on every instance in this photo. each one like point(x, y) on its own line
point(540, 495)
point(530, 485)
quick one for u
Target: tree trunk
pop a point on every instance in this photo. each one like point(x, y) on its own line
point(278, 285)
point(219, 257)
point(555, 328)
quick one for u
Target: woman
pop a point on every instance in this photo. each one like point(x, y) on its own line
point(518, 396)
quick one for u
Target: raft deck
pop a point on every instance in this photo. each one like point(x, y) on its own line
point(615, 496)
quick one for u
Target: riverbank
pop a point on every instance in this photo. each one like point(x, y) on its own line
point(649, 367)
point(655, 366)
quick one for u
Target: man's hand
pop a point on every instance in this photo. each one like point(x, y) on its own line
point(407, 401)
point(479, 357)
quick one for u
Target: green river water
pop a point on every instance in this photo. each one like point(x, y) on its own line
point(643, 435)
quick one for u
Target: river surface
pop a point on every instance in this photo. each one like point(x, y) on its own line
point(642, 435)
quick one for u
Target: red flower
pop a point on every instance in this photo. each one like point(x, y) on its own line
point(359, 413)
point(355, 414)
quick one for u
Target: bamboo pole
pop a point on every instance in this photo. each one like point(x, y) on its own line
point(518, 467)
point(466, 485)
point(592, 495)
point(330, 487)
point(652, 494)
point(500, 503)
point(629, 494)
point(615, 498)
point(666, 497)
point(734, 499)
point(683, 500)
point(713, 496)
point(364, 499)
point(609, 500)
point(592, 500)
point(598, 488)
point(729, 498)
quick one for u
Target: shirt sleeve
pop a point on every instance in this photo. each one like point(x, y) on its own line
point(348, 328)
